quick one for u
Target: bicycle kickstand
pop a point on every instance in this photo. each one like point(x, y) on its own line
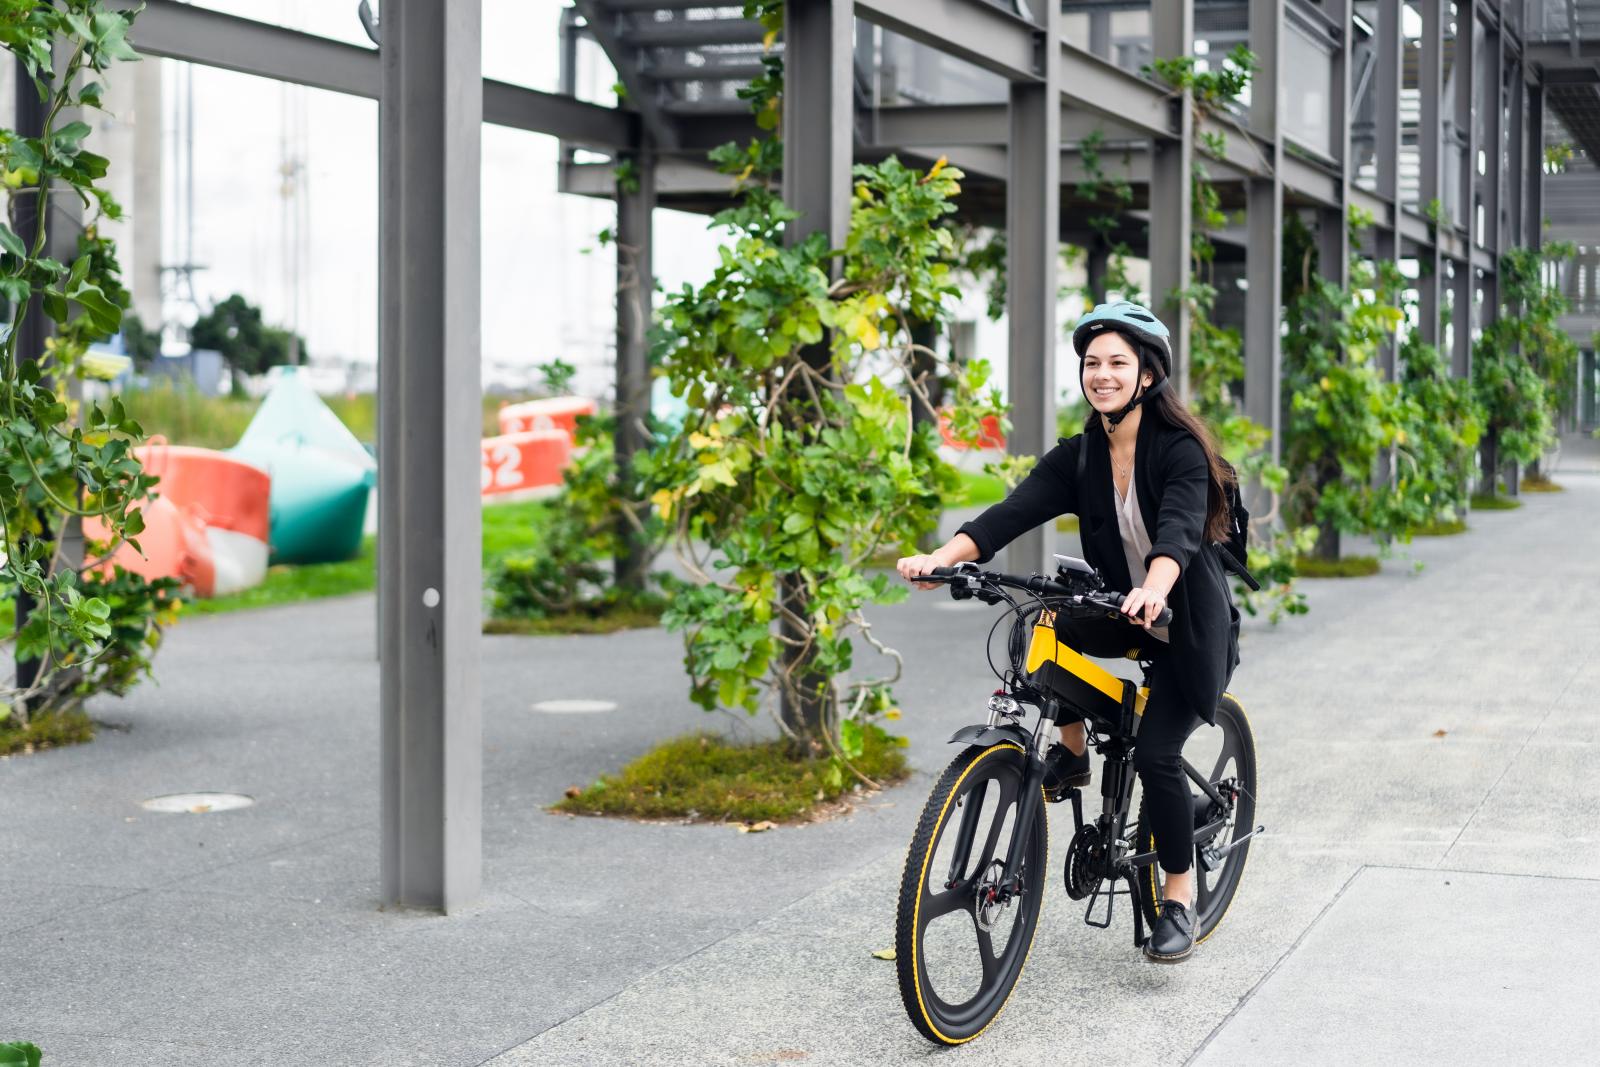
point(1139, 936)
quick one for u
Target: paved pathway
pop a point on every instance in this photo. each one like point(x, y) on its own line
point(1409, 903)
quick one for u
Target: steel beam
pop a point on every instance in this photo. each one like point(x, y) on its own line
point(430, 119)
point(172, 30)
point(1033, 225)
point(980, 33)
point(636, 201)
point(1430, 144)
point(977, 124)
point(193, 34)
point(1100, 87)
point(1171, 212)
point(1263, 355)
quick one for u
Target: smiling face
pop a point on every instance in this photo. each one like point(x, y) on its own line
point(1110, 372)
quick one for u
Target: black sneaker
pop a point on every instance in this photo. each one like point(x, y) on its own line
point(1172, 940)
point(1063, 771)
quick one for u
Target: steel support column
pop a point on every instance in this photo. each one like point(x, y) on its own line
point(1171, 212)
point(1430, 146)
point(1389, 76)
point(1492, 236)
point(1533, 171)
point(818, 127)
point(430, 129)
point(818, 116)
point(636, 201)
point(1516, 146)
point(1466, 96)
point(1033, 237)
point(1333, 230)
point(1263, 354)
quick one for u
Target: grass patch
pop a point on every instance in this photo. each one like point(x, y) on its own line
point(978, 489)
point(1486, 502)
point(71, 727)
point(507, 528)
point(624, 618)
point(185, 416)
point(291, 584)
point(1347, 567)
point(1441, 528)
point(1067, 524)
point(704, 778)
point(1539, 483)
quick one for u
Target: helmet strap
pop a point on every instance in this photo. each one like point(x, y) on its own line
point(1140, 396)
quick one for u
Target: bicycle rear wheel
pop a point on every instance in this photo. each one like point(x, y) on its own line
point(1224, 752)
point(959, 946)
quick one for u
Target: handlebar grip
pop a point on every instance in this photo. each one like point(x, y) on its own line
point(943, 572)
point(1164, 619)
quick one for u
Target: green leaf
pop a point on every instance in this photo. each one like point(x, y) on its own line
point(12, 243)
point(850, 740)
point(20, 1054)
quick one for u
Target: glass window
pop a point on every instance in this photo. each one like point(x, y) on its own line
point(1308, 76)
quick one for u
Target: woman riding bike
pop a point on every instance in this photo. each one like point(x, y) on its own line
point(1150, 492)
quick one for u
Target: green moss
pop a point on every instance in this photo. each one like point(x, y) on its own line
point(71, 727)
point(1441, 528)
point(1495, 503)
point(1538, 483)
point(704, 778)
point(1347, 567)
point(621, 618)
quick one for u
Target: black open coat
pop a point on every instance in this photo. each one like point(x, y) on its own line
point(1171, 478)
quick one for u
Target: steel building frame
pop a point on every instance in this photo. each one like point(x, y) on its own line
point(1024, 148)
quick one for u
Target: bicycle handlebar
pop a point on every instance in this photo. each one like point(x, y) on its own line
point(1041, 586)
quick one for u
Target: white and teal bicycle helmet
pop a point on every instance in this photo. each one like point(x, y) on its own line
point(1136, 320)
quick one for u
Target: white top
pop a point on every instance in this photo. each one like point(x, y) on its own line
point(1135, 541)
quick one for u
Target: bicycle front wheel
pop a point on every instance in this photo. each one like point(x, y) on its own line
point(964, 925)
point(1226, 753)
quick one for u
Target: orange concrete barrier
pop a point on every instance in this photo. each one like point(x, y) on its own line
point(555, 413)
point(527, 463)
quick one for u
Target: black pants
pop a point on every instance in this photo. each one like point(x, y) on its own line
point(1167, 723)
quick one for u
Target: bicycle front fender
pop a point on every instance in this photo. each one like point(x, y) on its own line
point(985, 736)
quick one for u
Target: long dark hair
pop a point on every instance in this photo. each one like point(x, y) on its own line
point(1170, 407)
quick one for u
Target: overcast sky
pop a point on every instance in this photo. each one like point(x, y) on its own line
point(543, 297)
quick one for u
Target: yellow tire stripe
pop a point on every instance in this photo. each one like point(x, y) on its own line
point(916, 909)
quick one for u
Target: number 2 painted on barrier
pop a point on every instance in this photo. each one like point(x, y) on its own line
point(503, 468)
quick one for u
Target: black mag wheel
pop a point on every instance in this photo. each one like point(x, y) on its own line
point(960, 939)
point(1226, 753)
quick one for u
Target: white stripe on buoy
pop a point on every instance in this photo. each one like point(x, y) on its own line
point(574, 707)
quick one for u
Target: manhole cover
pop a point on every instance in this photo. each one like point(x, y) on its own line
point(197, 803)
point(574, 707)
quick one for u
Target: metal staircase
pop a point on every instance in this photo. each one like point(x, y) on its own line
point(677, 60)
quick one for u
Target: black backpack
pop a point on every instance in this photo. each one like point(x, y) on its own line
point(1235, 551)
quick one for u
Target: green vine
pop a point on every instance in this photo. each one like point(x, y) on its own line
point(63, 462)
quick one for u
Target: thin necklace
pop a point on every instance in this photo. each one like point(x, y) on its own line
point(1122, 472)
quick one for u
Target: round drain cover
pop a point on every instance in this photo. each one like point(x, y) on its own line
point(574, 707)
point(197, 803)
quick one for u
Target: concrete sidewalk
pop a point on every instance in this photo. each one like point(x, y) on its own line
point(253, 935)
